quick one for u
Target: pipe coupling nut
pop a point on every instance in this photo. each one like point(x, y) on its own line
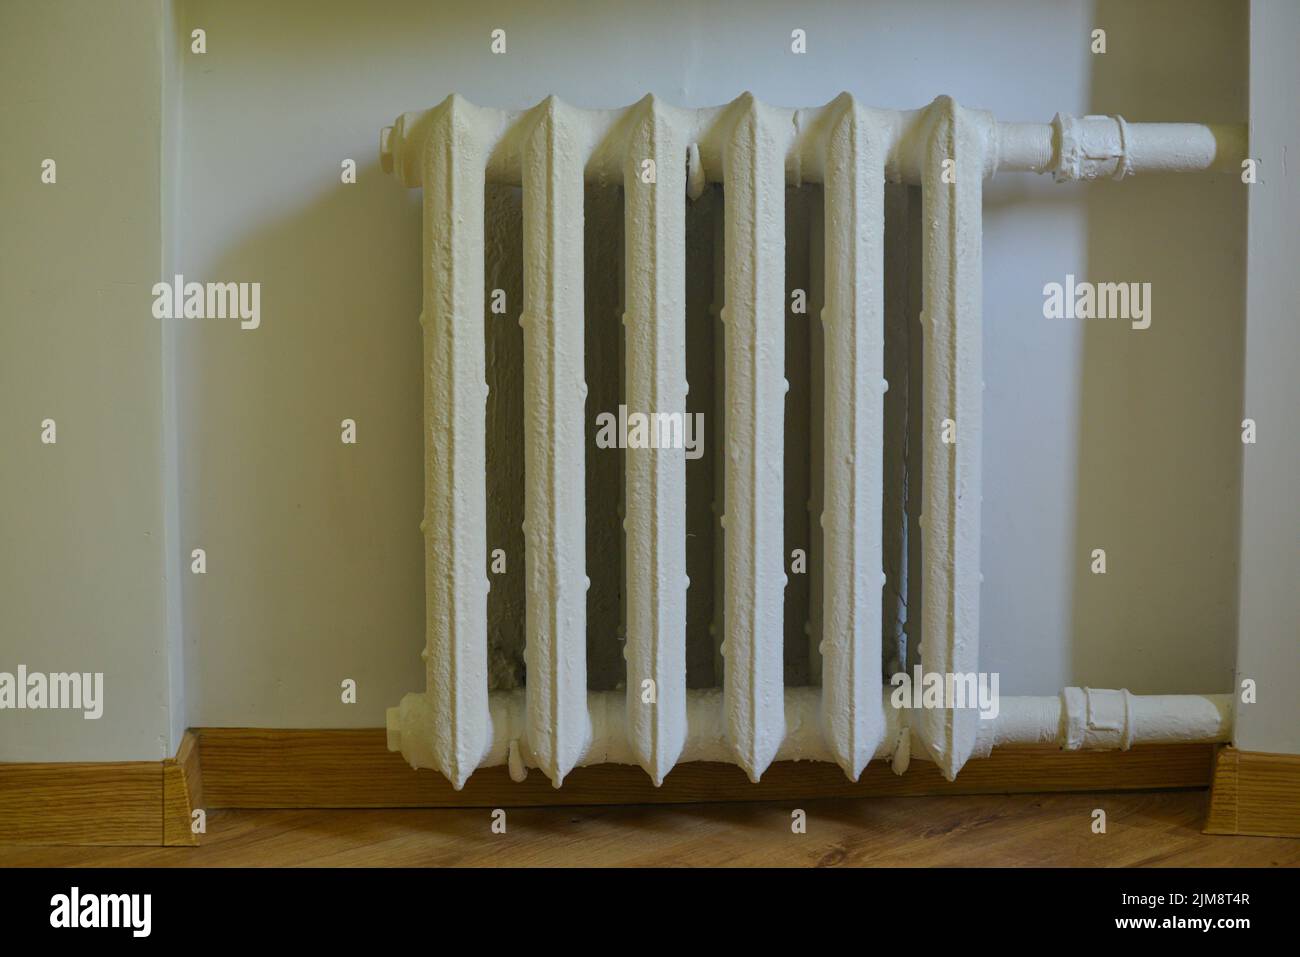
point(1096, 718)
point(1091, 147)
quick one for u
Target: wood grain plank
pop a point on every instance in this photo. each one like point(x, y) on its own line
point(266, 768)
point(1145, 828)
point(1255, 793)
point(148, 803)
point(81, 803)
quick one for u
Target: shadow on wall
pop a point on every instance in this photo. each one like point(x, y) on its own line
point(268, 477)
point(1159, 447)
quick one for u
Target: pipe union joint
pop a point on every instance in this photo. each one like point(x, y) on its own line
point(1096, 718)
point(1093, 147)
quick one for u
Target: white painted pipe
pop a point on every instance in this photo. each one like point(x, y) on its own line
point(1103, 719)
point(1077, 719)
point(1098, 147)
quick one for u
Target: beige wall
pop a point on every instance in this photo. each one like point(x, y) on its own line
point(199, 434)
point(81, 522)
point(1268, 651)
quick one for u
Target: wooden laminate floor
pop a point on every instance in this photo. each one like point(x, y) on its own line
point(1143, 828)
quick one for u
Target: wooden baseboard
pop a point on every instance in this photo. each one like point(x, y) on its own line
point(182, 793)
point(152, 802)
point(110, 802)
point(264, 768)
point(1255, 793)
point(82, 803)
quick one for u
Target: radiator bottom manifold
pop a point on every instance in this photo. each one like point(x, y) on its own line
point(1078, 718)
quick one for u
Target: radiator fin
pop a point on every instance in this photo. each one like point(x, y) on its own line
point(853, 431)
point(754, 173)
point(956, 153)
point(455, 400)
point(555, 656)
point(654, 183)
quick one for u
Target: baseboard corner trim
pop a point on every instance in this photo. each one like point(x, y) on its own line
point(102, 803)
point(1254, 793)
point(182, 779)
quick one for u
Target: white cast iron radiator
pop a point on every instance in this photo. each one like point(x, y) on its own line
point(456, 726)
